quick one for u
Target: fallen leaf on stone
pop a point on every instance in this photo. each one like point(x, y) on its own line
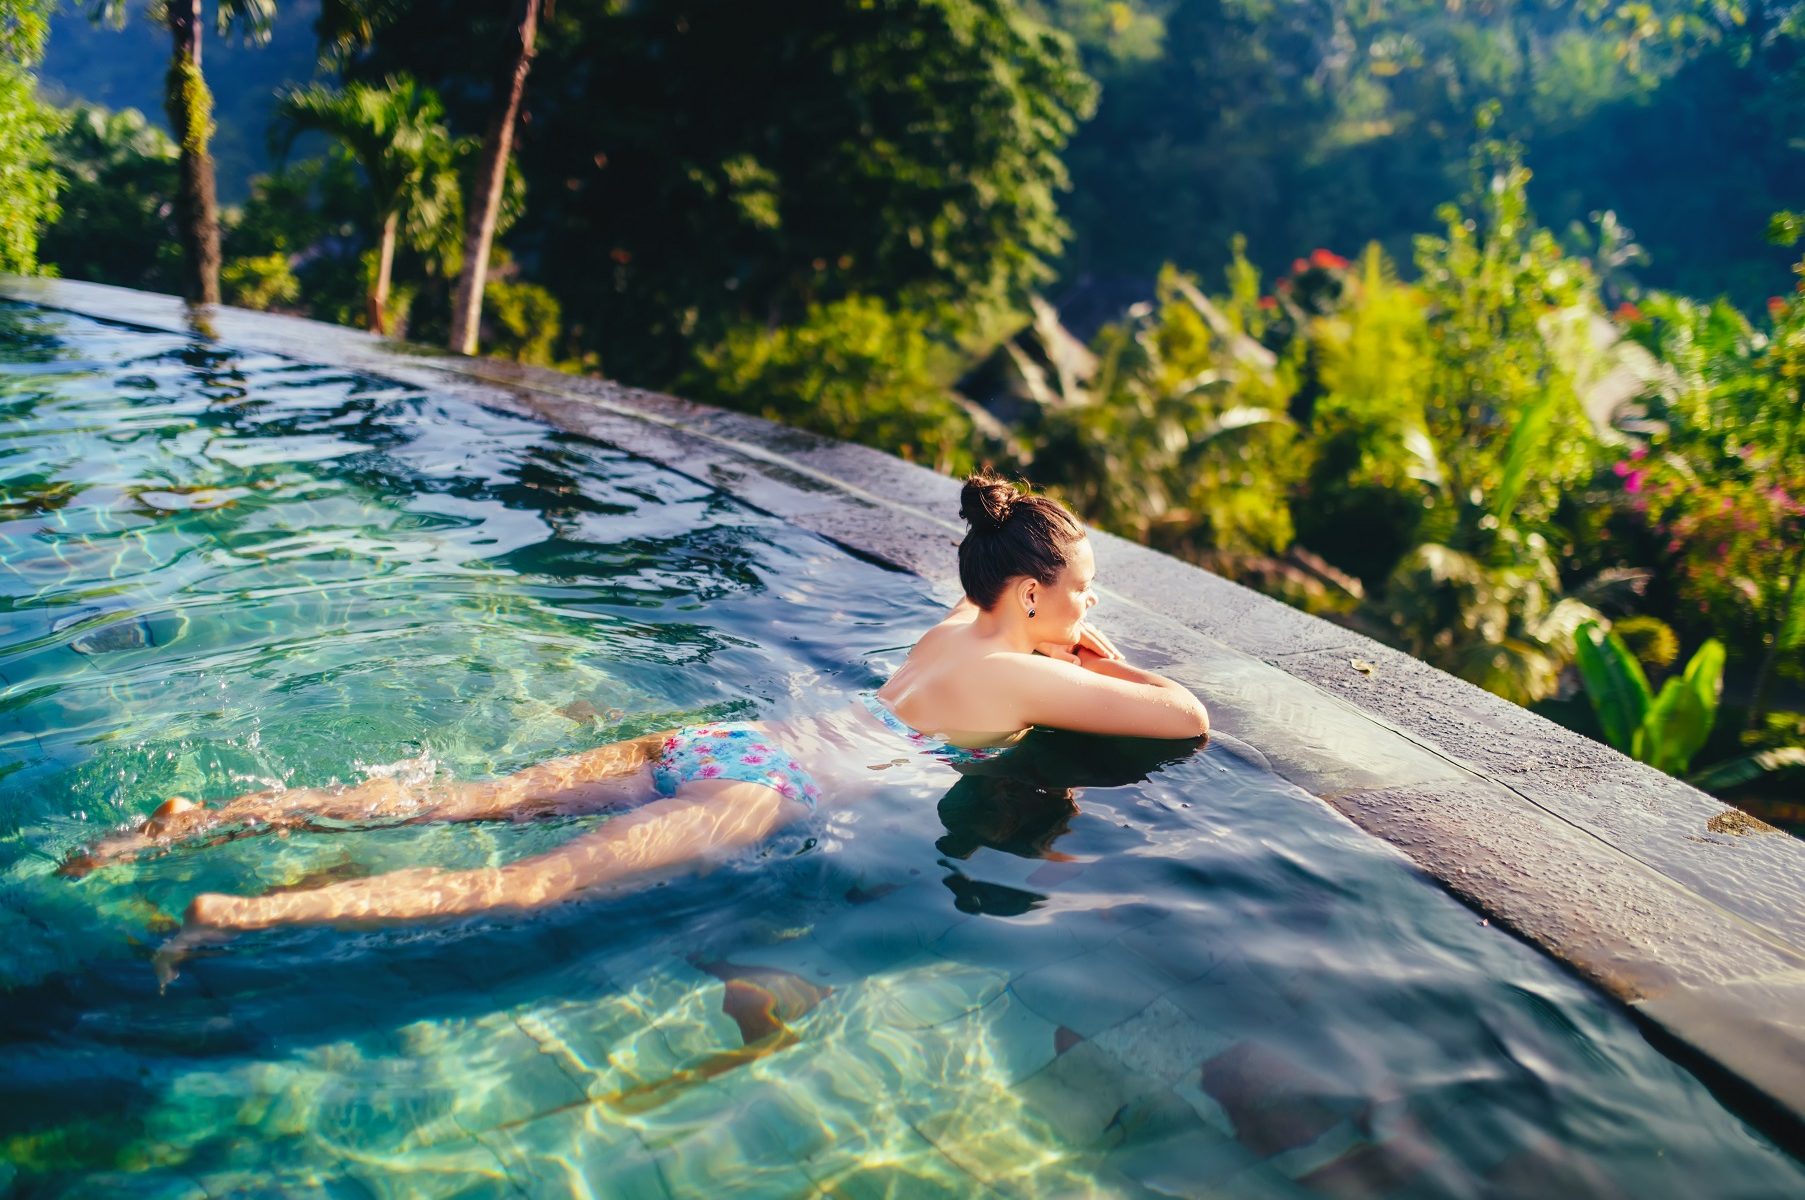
point(1361, 665)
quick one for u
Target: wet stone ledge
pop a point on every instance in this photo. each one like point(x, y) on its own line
point(1634, 880)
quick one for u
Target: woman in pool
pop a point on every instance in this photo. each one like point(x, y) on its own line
point(1014, 653)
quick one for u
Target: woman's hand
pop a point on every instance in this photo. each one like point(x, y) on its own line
point(1080, 654)
point(1091, 638)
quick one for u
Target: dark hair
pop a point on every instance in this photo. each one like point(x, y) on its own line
point(1013, 533)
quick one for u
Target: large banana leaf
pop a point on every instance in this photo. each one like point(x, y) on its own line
point(1676, 727)
point(1615, 685)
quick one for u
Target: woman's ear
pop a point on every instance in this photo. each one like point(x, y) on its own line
point(1027, 595)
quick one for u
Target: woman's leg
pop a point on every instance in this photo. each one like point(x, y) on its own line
point(574, 783)
point(703, 816)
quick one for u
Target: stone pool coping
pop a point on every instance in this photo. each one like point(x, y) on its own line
point(1611, 867)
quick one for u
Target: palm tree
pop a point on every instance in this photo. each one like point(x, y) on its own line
point(491, 179)
point(396, 132)
point(348, 25)
point(190, 108)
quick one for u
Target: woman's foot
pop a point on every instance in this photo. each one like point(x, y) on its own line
point(175, 818)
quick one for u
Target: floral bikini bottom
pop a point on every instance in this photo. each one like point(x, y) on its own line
point(731, 750)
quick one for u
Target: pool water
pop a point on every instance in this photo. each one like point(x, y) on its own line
point(1112, 968)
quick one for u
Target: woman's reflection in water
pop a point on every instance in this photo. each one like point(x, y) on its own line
point(1025, 801)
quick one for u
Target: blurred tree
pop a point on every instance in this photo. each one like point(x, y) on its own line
point(348, 27)
point(118, 223)
point(28, 181)
point(189, 107)
point(697, 166)
point(314, 214)
point(397, 135)
point(855, 369)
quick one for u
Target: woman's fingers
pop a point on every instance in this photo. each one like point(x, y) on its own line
point(1055, 650)
point(1092, 638)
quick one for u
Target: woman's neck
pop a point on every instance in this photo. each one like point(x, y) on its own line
point(1006, 629)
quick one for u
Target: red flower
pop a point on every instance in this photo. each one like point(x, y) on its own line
point(1628, 312)
point(1269, 302)
point(1328, 260)
point(1775, 306)
point(1299, 266)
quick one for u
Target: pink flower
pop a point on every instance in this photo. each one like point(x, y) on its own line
point(1620, 469)
point(754, 759)
point(1632, 482)
point(1638, 453)
point(709, 771)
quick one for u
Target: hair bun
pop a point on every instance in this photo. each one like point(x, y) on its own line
point(986, 502)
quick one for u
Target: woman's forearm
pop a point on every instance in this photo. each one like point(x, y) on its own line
point(1116, 668)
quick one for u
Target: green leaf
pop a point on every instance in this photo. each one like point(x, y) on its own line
point(1678, 725)
point(1615, 684)
point(1525, 447)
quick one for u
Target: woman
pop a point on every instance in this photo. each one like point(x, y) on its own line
point(1016, 652)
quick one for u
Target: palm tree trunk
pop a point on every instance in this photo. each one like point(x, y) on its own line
point(491, 173)
point(190, 109)
point(378, 310)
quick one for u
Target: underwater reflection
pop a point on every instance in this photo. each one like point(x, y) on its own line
point(1024, 802)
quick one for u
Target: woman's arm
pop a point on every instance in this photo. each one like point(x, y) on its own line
point(1088, 693)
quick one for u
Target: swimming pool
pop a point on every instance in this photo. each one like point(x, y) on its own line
point(223, 570)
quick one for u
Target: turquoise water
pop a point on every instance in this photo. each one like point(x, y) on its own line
point(223, 571)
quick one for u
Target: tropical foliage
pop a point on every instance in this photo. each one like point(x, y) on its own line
point(396, 133)
point(1664, 730)
point(28, 182)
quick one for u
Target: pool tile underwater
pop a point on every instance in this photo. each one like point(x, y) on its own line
point(1017, 1040)
point(575, 1153)
point(899, 1165)
point(1162, 1042)
point(1080, 1092)
point(933, 993)
point(1090, 992)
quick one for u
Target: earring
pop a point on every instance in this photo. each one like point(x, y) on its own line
point(1030, 614)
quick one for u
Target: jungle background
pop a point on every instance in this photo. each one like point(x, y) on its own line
point(1473, 325)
